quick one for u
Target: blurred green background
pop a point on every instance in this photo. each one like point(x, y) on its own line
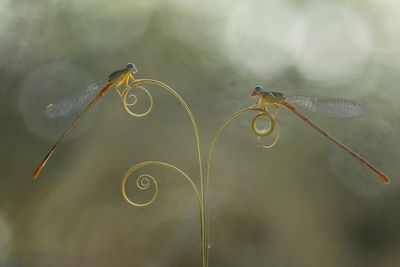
point(304, 202)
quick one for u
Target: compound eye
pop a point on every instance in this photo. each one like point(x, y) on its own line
point(130, 66)
point(258, 88)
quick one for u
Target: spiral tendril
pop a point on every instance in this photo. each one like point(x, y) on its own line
point(275, 140)
point(132, 103)
point(144, 181)
point(127, 104)
point(263, 132)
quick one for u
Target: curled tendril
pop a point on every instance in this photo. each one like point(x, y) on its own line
point(132, 103)
point(265, 131)
point(127, 104)
point(145, 180)
point(143, 183)
point(275, 140)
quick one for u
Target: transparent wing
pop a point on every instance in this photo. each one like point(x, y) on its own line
point(75, 101)
point(334, 107)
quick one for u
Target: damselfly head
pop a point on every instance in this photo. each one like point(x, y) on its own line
point(131, 67)
point(257, 90)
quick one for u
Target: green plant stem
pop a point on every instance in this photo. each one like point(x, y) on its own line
point(210, 154)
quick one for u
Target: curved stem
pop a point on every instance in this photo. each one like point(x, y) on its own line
point(196, 131)
point(264, 112)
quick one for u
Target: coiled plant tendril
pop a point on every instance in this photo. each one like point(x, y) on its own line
point(143, 183)
point(127, 104)
point(134, 101)
point(265, 132)
point(144, 180)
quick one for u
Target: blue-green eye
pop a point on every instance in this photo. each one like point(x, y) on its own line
point(258, 88)
point(130, 66)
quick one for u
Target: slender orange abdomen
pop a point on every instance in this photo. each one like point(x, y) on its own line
point(43, 162)
point(380, 174)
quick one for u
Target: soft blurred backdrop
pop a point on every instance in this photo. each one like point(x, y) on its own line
point(304, 202)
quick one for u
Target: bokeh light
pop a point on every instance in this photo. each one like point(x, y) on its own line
point(304, 202)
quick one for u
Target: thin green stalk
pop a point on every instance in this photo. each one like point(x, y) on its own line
point(263, 112)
